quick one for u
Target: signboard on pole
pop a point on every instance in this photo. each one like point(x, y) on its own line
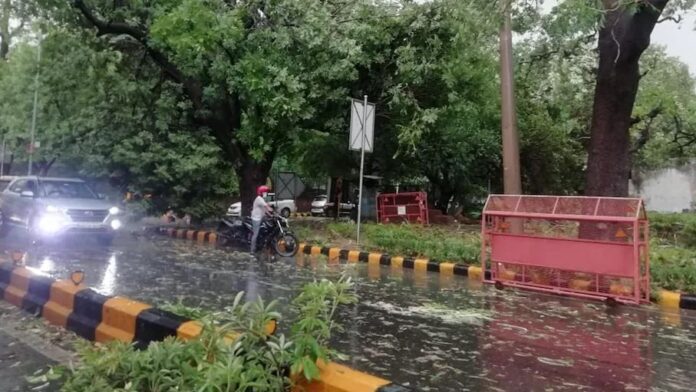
point(287, 185)
point(362, 129)
point(357, 123)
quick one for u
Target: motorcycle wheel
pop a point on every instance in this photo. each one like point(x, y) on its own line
point(285, 245)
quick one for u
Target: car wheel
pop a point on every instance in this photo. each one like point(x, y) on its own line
point(285, 212)
point(105, 239)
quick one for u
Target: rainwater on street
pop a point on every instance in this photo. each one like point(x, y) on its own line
point(419, 329)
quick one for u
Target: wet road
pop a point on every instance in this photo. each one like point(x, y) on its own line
point(420, 329)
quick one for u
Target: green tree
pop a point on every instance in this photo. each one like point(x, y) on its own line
point(14, 15)
point(98, 113)
point(664, 117)
point(253, 75)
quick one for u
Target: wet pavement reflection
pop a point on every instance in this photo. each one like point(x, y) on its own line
point(431, 332)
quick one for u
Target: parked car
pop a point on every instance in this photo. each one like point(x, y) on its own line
point(283, 207)
point(321, 206)
point(52, 207)
point(5, 181)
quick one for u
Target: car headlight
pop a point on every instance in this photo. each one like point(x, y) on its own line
point(116, 224)
point(50, 223)
point(114, 210)
point(53, 209)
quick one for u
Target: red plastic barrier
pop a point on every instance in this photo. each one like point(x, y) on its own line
point(402, 207)
point(593, 247)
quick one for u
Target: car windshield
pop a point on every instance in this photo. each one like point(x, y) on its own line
point(4, 184)
point(54, 189)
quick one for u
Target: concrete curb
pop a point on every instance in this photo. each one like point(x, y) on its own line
point(667, 299)
point(102, 318)
point(300, 214)
point(82, 310)
point(399, 262)
point(200, 236)
point(676, 300)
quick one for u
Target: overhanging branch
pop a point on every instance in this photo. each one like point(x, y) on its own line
point(104, 28)
point(192, 87)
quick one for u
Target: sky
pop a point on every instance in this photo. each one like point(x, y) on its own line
point(678, 39)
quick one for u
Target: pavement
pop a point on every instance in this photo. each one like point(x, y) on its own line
point(427, 331)
point(27, 348)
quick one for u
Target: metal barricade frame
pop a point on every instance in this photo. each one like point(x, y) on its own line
point(405, 206)
point(583, 246)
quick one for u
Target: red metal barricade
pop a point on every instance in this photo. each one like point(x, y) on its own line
point(593, 247)
point(402, 207)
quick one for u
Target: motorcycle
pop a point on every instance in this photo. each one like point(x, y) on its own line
point(275, 234)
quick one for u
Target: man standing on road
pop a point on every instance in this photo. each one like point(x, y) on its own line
point(258, 211)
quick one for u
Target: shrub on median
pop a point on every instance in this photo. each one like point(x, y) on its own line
point(253, 362)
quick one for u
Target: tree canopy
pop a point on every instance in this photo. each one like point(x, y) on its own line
point(195, 100)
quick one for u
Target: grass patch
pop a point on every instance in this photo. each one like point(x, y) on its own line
point(455, 244)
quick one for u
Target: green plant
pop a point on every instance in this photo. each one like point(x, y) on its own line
point(181, 309)
point(254, 361)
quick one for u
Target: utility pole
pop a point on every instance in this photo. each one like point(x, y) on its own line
point(2, 162)
point(512, 183)
point(36, 101)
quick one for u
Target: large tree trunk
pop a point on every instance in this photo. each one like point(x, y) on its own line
point(623, 38)
point(5, 29)
point(251, 175)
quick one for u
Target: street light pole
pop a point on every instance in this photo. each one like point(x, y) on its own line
point(512, 183)
point(33, 116)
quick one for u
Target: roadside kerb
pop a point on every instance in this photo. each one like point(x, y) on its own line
point(103, 318)
point(667, 298)
point(398, 262)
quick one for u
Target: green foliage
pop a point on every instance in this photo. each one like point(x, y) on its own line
point(252, 362)
point(672, 267)
point(664, 132)
point(191, 312)
point(442, 244)
point(678, 229)
point(673, 251)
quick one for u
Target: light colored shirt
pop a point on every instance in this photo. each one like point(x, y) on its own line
point(259, 208)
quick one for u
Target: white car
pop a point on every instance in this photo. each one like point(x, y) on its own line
point(284, 207)
point(53, 207)
point(321, 206)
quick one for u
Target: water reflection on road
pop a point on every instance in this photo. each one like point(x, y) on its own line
point(425, 330)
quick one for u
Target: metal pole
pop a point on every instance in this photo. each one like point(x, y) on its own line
point(33, 116)
point(511, 150)
point(362, 163)
point(2, 161)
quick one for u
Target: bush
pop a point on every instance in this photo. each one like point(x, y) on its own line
point(672, 268)
point(674, 228)
point(252, 362)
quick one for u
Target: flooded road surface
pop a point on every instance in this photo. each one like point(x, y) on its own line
point(419, 329)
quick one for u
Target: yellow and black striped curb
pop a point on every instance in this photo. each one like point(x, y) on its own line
point(666, 298)
point(675, 300)
point(201, 236)
point(414, 263)
point(300, 214)
point(103, 318)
